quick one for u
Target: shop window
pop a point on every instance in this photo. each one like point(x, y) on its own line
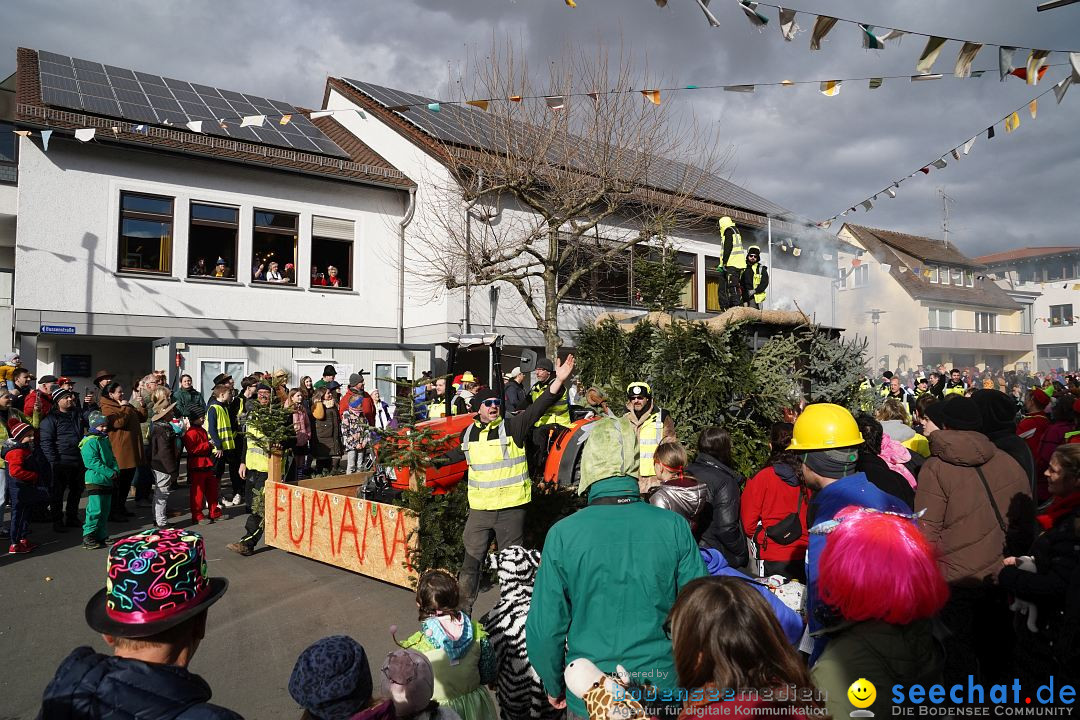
point(273, 247)
point(212, 239)
point(332, 252)
point(146, 228)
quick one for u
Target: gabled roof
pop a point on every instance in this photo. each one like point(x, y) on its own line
point(362, 165)
point(464, 127)
point(1009, 256)
point(886, 247)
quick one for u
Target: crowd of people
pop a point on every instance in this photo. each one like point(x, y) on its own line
point(931, 538)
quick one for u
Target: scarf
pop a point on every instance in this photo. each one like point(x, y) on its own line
point(438, 631)
point(1059, 508)
point(895, 455)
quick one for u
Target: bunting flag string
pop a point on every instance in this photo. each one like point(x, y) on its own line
point(1011, 121)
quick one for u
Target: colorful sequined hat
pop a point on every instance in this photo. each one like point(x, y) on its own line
point(156, 580)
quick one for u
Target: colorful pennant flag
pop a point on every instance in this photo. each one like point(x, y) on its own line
point(704, 5)
point(253, 120)
point(940, 163)
point(831, 88)
point(1022, 73)
point(482, 104)
point(891, 192)
point(925, 170)
point(652, 96)
point(115, 129)
point(323, 113)
point(892, 35)
point(926, 272)
point(965, 58)
point(968, 144)
point(756, 19)
point(929, 55)
point(990, 133)
point(822, 26)
point(436, 107)
point(868, 205)
point(788, 28)
point(45, 136)
point(569, 3)
point(22, 133)
point(85, 134)
point(977, 73)
point(870, 41)
point(1033, 107)
point(739, 88)
point(1012, 122)
point(956, 153)
point(855, 262)
point(516, 98)
point(920, 78)
point(1062, 87)
point(1005, 60)
point(558, 102)
point(1036, 60)
point(787, 83)
point(195, 126)
point(143, 130)
point(285, 120)
point(886, 268)
point(875, 83)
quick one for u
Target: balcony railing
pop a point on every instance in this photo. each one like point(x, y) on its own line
point(955, 339)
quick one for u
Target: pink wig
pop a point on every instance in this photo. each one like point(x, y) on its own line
point(878, 566)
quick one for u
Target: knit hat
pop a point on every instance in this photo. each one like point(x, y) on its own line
point(481, 396)
point(18, 430)
point(998, 410)
point(357, 401)
point(332, 679)
point(59, 392)
point(96, 418)
point(887, 374)
point(408, 680)
point(832, 463)
point(545, 364)
point(1040, 397)
point(329, 370)
point(611, 450)
point(956, 413)
point(356, 377)
point(196, 413)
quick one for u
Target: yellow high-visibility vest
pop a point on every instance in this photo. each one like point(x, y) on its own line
point(498, 470)
point(759, 297)
point(557, 414)
point(737, 258)
point(651, 433)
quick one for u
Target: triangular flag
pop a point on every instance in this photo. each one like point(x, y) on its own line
point(822, 26)
point(1062, 87)
point(739, 88)
point(1033, 107)
point(892, 35)
point(513, 98)
point(195, 126)
point(1005, 60)
point(886, 268)
point(704, 5)
point(285, 120)
point(977, 73)
point(482, 104)
point(1012, 122)
point(931, 76)
point(824, 225)
point(990, 133)
point(940, 163)
point(558, 102)
point(875, 83)
point(870, 41)
point(143, 130)
point(45, 135)
point(929, 55)
point(903, 268)
point(253, 120)
point(925, 170)
point(968, 144)
point(956, 153)
point(323, 113)
point(434, 107)
point(1036, 60)
point(1074, 60)
point(652, 96)
point(965, 58)
point(85, 134)
point(756, 19)
point(594, 95)
point(868, 205)
point(891, 192)
point(855, 262)
point(787, 83)
point(221, 121)
point(569, 3)
point(831, 87)
point(917, 270)
point(926, 272)
point(788, 28)
point(22, 133)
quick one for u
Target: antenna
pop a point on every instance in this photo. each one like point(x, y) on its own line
point(945, 200)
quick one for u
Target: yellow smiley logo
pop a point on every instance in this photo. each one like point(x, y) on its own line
point(862, 693)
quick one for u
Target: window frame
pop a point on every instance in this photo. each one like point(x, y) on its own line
point(934, 274)
point(969, 278)
point(222, 225)
point(146, 217)
point(390, 396)
point(222, 362)
point(7, 131)
point(957, 276)
point(935, 318)
point(943, 277)
point(351, 260)
point(275, 230)
point(860, 276)
point(1064, 313)
point(986, 322)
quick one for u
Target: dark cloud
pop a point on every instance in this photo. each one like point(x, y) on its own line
point(813, 154)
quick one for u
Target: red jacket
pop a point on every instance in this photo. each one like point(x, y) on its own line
point(1032, 428)
point(367, 406)
point(768, 499)
point(197, 443)
point(28, 404)
point(16, 458)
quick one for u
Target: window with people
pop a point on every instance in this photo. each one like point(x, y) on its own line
point(212, 239)
point(273, 246)
point(332, 253)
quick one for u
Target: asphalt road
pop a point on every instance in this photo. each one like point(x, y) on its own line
point(277, 604)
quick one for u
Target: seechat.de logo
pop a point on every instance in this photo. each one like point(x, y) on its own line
point(862, 695)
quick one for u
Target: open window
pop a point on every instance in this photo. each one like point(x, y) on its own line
point(212, 239)
point(273, 247)
point(332, 253)
point(146, 230)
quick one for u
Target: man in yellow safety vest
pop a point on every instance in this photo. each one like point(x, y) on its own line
point(733, 260)
point(653, 426)
point(754, 279)
point(499, 484)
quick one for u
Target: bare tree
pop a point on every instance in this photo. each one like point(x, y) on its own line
point(573, 182)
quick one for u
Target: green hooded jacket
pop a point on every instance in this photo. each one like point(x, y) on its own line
point(609, 574)
point(97, 456)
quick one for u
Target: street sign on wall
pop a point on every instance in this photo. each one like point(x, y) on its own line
point(58, 329)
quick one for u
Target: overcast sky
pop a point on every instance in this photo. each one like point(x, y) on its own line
point(800, 149)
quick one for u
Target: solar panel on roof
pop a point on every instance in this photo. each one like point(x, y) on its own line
point(141, 97)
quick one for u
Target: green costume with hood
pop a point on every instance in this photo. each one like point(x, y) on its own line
point(609, 574)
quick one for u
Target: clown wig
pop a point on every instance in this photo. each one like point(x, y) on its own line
point(878, 566)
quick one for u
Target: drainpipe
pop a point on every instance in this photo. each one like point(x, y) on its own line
point(401, 267)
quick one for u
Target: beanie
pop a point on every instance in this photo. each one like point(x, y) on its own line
point(19, 430)
point(545, 364)
point(96, 418)
point(998, 410)
point(1040, 397)
point(481, 396)
point(956, 413)
point(833, 463)
point(331, 678)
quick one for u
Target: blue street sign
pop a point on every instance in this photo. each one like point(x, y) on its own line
point(58, 329)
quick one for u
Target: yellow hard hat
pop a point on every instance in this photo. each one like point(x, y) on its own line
point(638, 389)
point(824, 426)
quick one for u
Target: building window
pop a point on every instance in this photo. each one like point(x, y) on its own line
point(958, 277)
point(935, 274)
point(385, 374)
point(212, 241)
point(9, 153)
point(608, 284)
point(985, 322)
point(860, 276)
point(941, 319)
point(146, 225)
point(1061, 314)
point(273, 247)
point(1056, 357)
point(1026, 321)
point(332, 252)
point(714, 285)
point(210, 369)
point(969, 278)
point(963, 360)
point(943, 273)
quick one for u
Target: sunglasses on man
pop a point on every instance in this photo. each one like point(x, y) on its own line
point(492, 402)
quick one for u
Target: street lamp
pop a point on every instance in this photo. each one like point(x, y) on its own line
point(875, 318)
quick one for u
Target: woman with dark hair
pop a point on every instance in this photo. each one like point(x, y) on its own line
point(876, 467)
point(713, 467)
point(732, 656)
point(773, 512)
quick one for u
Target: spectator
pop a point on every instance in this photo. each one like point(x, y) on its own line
point(466, 390)
point(22, 384)
point(154, 629)
point(356, 389)
point(514, 393)
point(409, 681)
point(457, 646)
point(40, 397)
point(90, 400)
point(331, 279)
point(59, 435)
point(8, 412)
point(437, 405)
point(877, 470)
point(1032, 428)
point(302, 427)
point(226, 441)
point(164, 455)
point(328, 375)
point(967, 488)
point(8, 366)
point(773, 510)
point(896, 423)
point(203, 484)
point(1062, 422)
point(332, 681)
point(726, 638)
point(355, 434)
point(24, 491)
point(101, 471)
point(199, 268)
point(880, 586)
point(616, 552)
point(326, 440)
point(712, 466)
point(679, 491)
point(998, 412)
point(188, 399)
point(125, 436)
point(384, 419)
